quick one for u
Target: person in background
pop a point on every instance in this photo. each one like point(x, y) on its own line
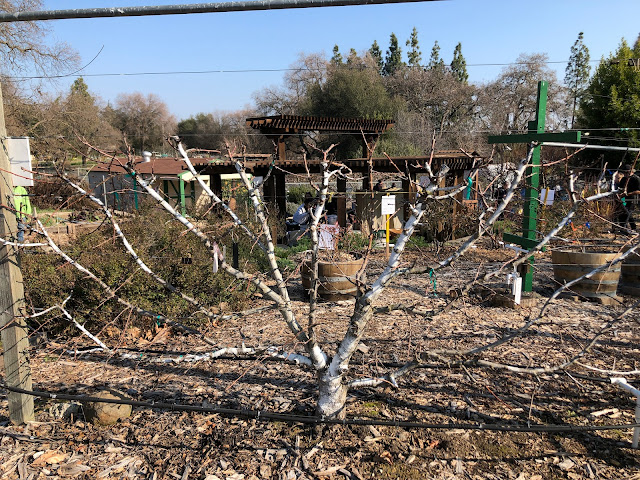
point(628, 193)
point(23, 209)
point(303, 214)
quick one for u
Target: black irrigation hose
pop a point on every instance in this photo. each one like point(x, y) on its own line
point(270, 416)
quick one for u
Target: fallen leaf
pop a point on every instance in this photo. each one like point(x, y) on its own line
point(433, 444)
point(387, 456)
point(329, 471)
point(51, 457)
point(72, 469)
point(606, 411)
point(567, 464)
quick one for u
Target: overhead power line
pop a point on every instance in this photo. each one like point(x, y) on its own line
point(187, 9)
point(248, 70)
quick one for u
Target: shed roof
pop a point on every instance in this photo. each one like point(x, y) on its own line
point(168, 166)
point(157, 166)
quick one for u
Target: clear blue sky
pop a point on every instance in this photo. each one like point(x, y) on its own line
point(491, 31)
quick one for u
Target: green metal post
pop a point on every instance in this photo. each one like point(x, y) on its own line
point(532, 192)
point(183, 203)
point(135, 192)
point(537, 134)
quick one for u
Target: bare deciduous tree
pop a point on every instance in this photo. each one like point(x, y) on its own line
point(333, 364)
point(145, 120)
point(22, 44)
point(510, 100)
point(307, 71)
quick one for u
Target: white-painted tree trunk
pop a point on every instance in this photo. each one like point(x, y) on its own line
point(332, 395)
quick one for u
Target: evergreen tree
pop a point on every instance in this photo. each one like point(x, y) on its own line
point(80, 117)
point(393, 60)
point(79, 87)
point(414, 55)
point(459, 66)
point(577, 72)
point(353, 58)
point(376, 54)
point(612, 99)
point(351, 93)
point(435, 62)
point(336, 59)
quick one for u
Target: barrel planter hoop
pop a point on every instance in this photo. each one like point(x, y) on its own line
point(630, 275)
point(336, 279)
point(569, 265)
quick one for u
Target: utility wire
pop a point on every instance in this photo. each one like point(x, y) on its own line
point(279, 417)
point(254, 70)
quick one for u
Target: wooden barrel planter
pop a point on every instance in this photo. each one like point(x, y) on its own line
point(336, 279)
point(630, 275)
point(569, 265)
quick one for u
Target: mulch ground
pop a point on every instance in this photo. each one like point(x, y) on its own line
point(162, 444)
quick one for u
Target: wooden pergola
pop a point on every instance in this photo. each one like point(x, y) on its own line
point(279, 127)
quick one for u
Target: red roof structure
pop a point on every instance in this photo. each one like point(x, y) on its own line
point(157, 166)
point(172, 166)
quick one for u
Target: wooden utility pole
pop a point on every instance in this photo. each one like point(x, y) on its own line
point(15, 343)
point(535, 133)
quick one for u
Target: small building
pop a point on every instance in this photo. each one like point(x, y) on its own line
point(110, 182)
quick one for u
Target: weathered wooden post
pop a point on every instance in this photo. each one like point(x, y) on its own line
point(15, 343)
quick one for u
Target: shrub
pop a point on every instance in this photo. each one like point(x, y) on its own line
point(417, 242)
point(353, 242)
point(296, 193)
point(54, 193)
point(180, 259)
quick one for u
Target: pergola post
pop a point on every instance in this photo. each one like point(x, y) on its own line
point(408, 186)
point(269, 189)
point(216, 184)
point(341, 201)
point(281, 193)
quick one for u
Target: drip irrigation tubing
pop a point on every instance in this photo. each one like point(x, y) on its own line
point(306, 419)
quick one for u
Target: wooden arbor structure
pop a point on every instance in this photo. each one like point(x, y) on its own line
point(279, 127)
point(412, 168)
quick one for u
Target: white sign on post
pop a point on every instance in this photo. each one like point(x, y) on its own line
point(547, 196)
point(388, 205)
point(20, 160)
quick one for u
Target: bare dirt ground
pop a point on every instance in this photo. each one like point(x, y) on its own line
point(161, 444)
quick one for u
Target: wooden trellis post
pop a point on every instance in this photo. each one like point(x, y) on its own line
point(15, 343)
point(536, 134)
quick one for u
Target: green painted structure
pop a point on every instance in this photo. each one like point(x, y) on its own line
point(535, 134)
point(179, 194)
